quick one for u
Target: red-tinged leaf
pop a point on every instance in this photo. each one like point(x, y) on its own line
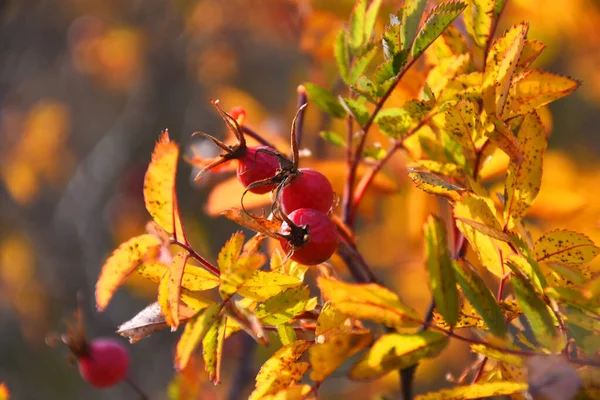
point(439, 269)
point(159, 186)
point(123, 261)
point(148, 321)
point(195, 331)
point(533, 89)
point(487, 230)
point(175, 278)
point(565, 247)
point(370, 302)
point(212, 349)
point(243, 318)
point(531, 50)
point(477, 391)
point(281, 360)
point(326, 357)
point(524, 179)
point(500, 134)
point(396, 351)
point(255, 223)
point(433, 184)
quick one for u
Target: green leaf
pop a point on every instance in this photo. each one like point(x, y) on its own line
point(342, 55)
point(371, 18)
point(325, 100)
point(390, 40)
point(333, 138)
point(368, 301)
point(195, 331)
point(212, 349)
point(357, 108)
point(286, 333)
point(476, 391)
point(357, 25)
point(374, 152)
point(565, 247)
point(523, 180)
point(411, 16)
point(397, 351)
point(480, 297)
point(537, 312)
point(433, 184)
point(389, 69)
point(283, 307)
point(478, 19)
point(394, 122)
point(361, 62)
point(439, 267)
point(418, 109)
point(366, 88)
point(439, 19)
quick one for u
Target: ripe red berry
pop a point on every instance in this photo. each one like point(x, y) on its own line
point(321, 240)
point(105, 364)
point(310, 189)
point(256, 166)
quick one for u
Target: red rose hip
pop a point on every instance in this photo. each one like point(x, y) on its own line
point(310, 189)
point(105, 364)
point(321, 239)
point(256, 166)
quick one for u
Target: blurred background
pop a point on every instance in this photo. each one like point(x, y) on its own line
point(86, 86)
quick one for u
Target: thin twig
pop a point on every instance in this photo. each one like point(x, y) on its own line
point(349, 186)
point(136, 388)
point(206, 264)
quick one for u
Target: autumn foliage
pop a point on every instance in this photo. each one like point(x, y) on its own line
point(474, 137)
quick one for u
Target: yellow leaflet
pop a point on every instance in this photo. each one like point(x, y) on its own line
point(446, 70)
point(330, 321)
point(531, 50)
point(462, 121)
point(433, 184)
point(283, 307)
point(566, 247)
point(194, 301)
point(175, 276)
point(265, 284)
point(230, 252)
point(476, 391)
point(123, 262)
point(281, 360)
point(445, 169)
point(499, 355)
point(396, 351)
point(326, 357)
point(163, 299)
point(294, 392)
point(195, 331)
point(194, 278)
point(291, 375)
point(478, 19)
point(239, 273)
point(286, 333)
point(500, 134)
point(212, 349)
point(288, 267)
point(524, 180)
point(450, 43)
point(159, 185)
point(368, 301)
point(500, 66)
point(463, 86)
point(469, 317)
point(533, 89)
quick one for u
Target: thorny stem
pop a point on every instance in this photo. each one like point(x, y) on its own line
point(137, 389)
point(349, 218)
point(206, 264)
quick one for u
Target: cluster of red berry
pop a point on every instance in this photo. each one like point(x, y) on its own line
point(302, 199)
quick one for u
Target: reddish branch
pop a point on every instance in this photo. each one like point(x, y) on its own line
point(206, 264)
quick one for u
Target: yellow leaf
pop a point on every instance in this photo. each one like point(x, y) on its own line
point(159, 186)
point(368, 301)
point(445, 169)
point(195, 331)
point(326, 357)
point(533, 89)
point(212, 349)
point(194, 278)
point(496, 354)
point(565, 247)
point(265, 284)
point(290, 375)
point(461, 121)
point(123, 261)
point(281, 360)
point(239, 273)
point(330, 322)
point(294, 392)
point(283, 307)
point(175, 277)
point(524, 180)
point(476, 391)
point(433, 184)
point(478, 19)
point(447, 69)
point(289, 267)
point(286, 333)
point(230, 251)
point(396, 351)
point(531, 50)
point(500, 134)
point(163, 298)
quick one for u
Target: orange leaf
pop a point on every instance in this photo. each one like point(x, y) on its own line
point(175, 277)
point(123, 261)
point(257, 224)
point(159, 186)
